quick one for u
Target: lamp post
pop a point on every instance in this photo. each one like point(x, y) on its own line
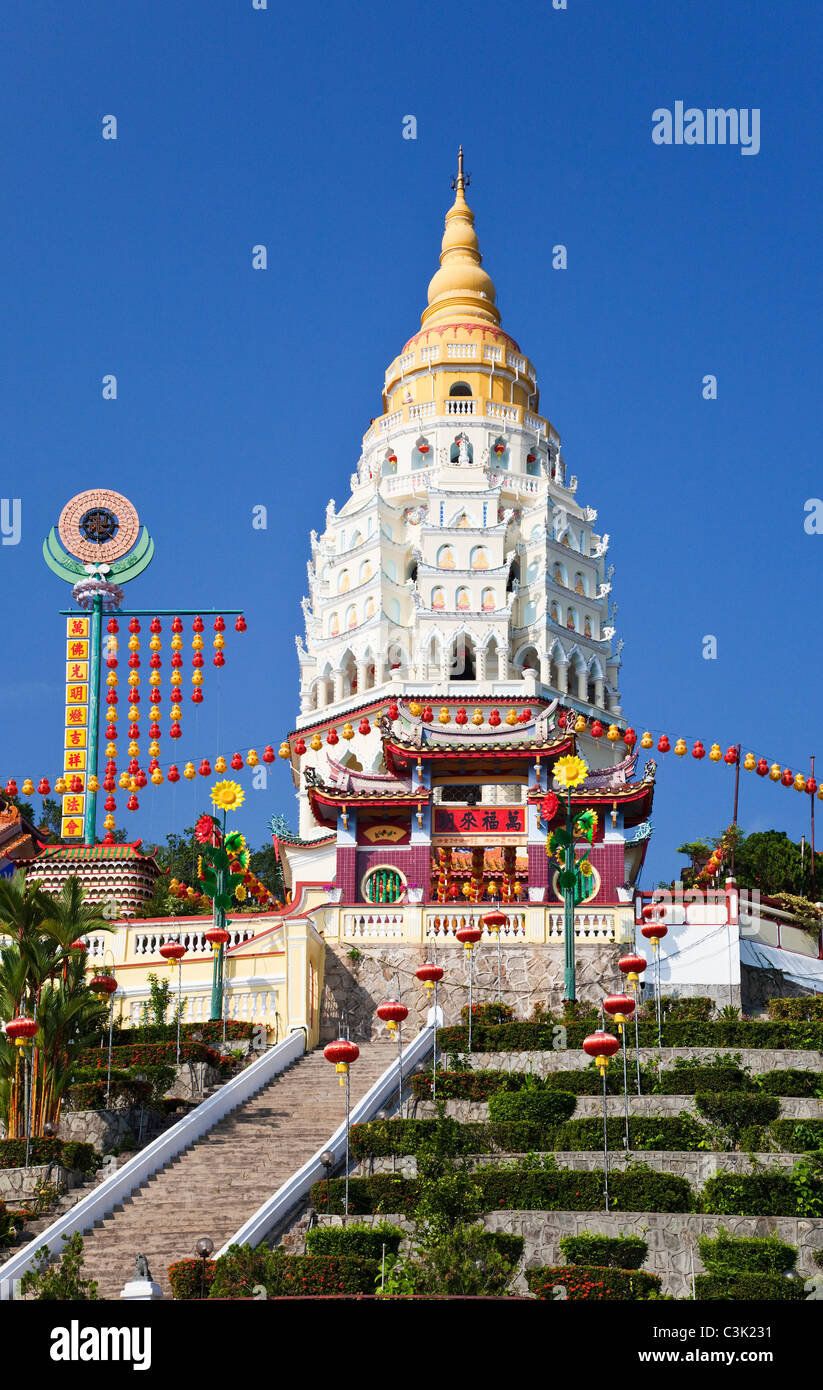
point(431, 974)
point(632, 967)
point(495, 921)
point(342, 1053)
point(327, 1159)
point(620, 1007)
point(469, 937)
point(105, 987)
point(654, 929)
point(173, 952)
point(601, 1046)
point(21, 1031)
point(203, 1249)
point(393, 1014)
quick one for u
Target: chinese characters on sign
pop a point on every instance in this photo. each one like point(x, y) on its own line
point(77, 720)
point(480, 820)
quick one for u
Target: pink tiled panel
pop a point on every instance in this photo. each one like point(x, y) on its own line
point(609, 861)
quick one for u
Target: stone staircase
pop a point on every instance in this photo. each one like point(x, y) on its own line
point(219, 1182)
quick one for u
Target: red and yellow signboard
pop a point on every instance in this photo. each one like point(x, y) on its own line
point(476, 821)
point(77, 721)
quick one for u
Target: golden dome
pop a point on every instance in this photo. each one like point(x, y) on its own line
point(460, 288)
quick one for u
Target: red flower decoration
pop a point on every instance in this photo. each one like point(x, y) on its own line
point(548, 807)
point(204, 830)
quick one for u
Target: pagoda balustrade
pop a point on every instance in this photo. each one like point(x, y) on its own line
point(529, 923)
point(446, 924)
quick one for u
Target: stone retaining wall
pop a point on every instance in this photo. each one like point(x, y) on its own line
point(696, 1167)
point(758, 1059)
point(791, 1107)
point(18, 1185)
point(106, 1129)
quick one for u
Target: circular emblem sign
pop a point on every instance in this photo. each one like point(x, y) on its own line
point(98, 526)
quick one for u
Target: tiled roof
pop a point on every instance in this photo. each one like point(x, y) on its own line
point(93, 853)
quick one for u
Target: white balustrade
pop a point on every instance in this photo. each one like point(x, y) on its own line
point(533, 422)
point(517, 363)
point(461, 349)
point(372, 924)
point(430, 354)
point(421, 412)
point(446, 924)
point(496, 411)
point(149, 943)
point(461, 405)
point(389, 421)
point(406, 361)
point(493, 354)
point(588, 926)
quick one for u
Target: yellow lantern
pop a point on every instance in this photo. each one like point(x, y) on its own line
point(316, 743)
point(175, 712)
point(155, 678)
point(197, 677)
point(134, 749)
point(252, 759)
point(123, 781)
point(477, 717)
point(132, 784)
point(750, 762)
point(112, 645)
point(112, 714)
point(680, 748)
point(284, 750)
point(28, 787)
point(220, 763)
point(197, 644)
point(415, 709)
point(111, 679)
point(444, 716)
point(134, 643)
point(799, 783)
point(774, 772)
point(511, 717)
point(177, 643)
point(154, 748)
point(820, 793)
point(93, 784)
point(612, 733)
point(647, 741)
point(219, 642)
point(157, 777)
point(134, 713)
point(580, 724)
point(134, 678)
point(60, 786)
point(111, 750)
point(155, 645)
point(714, 753)
point(108, 823)
point(347, 731)
point(188, 771)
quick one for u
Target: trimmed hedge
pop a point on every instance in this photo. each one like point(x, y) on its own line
point(541, 1036)
point(533, 1105)
point(745, 1288)
point(382, 1138)
point(766, 1193)
point(614, 1252)
point(559, 1283)
point(809, 1006)
point(186, 1278)
point(792, 1081)
point(665, 1132)
point(487, 1013)
point(798, 1136)
point(91, 1095)
point(687, 1081)
point(726, 1255)
point(212, 1031)
point(734, 1110)
point(81, 1157)
point(241, 1269)
point(363, 1240)
point(637, 1188)
point(147, 1055)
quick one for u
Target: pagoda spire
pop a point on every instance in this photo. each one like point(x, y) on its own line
point(460, 289)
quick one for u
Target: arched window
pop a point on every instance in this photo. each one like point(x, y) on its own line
point(420, 453)
point(558, 573)
point(479, 558)
point(587, 626)
point(571, 619)
point(383, 884)
point(463, 659)
point(356, 539)
point(394, 610)
point(554, 612)
point(460, 388)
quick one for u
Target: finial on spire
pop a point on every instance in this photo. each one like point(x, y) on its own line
point(462, 180)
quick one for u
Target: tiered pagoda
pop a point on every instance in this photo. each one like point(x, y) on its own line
point(459, 635)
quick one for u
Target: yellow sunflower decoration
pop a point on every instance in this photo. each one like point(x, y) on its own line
point(228, 796)
point(240, 892)
point(570, 771)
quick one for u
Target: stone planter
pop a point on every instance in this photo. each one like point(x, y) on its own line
point(414, 895)
point(537, 895)
point(624, 895)
point(19, 1185)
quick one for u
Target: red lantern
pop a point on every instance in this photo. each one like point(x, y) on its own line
point(132, 804)
point(596, 729)
point(392, 1013)
point(134, 625)
point(198, 625)
point(423, 448)
point(548, 807)
point(531, 458)
point(427, 715)
point(133, 767)
point(112, 625)
point(430, 975)
point(332, 738)
point(21, 1030)
point(173, 774)
point(103, 984)
point(240, 625)
point(140, 778)
point(268, 754)
point(630, 739)
point(811, 786)
point(176, 662)
point(177, 624)
point(601, 1046)
point(154, 730)
point(393, 712)
point(175, 950)
point(110, 804)
point(237, 762)
point(495, 920)
point(43, 787)
point(663, 745)
point(461, 717)
point(134, 661)
point(698, 751)
point(155, 625)
point(762, 767)
point(494, 718)
point(654, 929)
point(619, 1006)
point(111, 662)
point(111, 731)
point(197, 661)
point(524, 716)
point(364, 727)
point(299, 746)
point(11, 787)
point(787, 777)
point(730, 756)
point(79, 945)
point(175, 731)
point(176, 693)
point(561, 719)
point(219, 625)
point(342, 1053)
point(205, 768)
point(468, 936)
point(197, 696)
point(632, 966)
point(217, 937)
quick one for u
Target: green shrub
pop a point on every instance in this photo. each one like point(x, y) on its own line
point(510, 1247)
point(798, 1136)
point(667, 1132)
point(241, 1269)
point(81, 1157)
point(636, 1188)
point(698, 1008)
point(540, 1036)
point(686, 1081)
point(818, 1258)
point(726, 1255)
point(211, 1031)
point(556, 1282)
point(744, 1288)
point(536, 1105)
point(187, 1278)
point(356, 1239)
point(791, 1081)
point(487, 1013)
point(807, 1006)
point(769, 1192)
point(616, 1252)
point(141, 1055)
point(465, 1085)
point(91, 1095)
point(732, 1111)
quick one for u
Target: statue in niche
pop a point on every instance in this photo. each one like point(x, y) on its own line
point(554, 613)
point(463, 458)
point(558, 574)
point(578, 584)
point(438, 598)
point(463, 600)
point(587, 628)
point(488, 601)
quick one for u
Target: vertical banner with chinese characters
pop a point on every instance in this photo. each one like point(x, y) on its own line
point(77, 728)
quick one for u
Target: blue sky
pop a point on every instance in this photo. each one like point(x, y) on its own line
point(238, 388)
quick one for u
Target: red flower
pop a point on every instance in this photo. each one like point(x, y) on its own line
point(204, 830)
